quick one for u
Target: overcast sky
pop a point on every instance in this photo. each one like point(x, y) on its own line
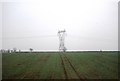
point(89, 24)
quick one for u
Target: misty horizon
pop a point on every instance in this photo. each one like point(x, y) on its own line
point(89, 25)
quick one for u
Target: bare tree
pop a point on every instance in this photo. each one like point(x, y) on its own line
point(2, 51)
point(19, 50)
point(31, 50)
point(11, 51)
point(8, 51)
point(14, 50)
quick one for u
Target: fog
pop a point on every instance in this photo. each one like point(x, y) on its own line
point(89, 24)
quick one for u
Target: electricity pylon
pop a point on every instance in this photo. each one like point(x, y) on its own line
point(61, 35)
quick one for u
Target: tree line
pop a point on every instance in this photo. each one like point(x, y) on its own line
point(14, 50)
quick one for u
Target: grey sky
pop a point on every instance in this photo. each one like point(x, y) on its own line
point(90, 24)
point(0, 25)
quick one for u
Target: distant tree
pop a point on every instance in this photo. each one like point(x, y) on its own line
point(2, 51)
point(14, 50)
point(19, 50)
point(8, 51)
point(100, 50)
point(11, 51)
point(31, 50)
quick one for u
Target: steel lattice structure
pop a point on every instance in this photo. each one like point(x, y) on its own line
point(61, 35)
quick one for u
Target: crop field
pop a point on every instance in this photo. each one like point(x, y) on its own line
point(55, 65)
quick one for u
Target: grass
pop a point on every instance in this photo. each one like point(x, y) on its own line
point(69, 65)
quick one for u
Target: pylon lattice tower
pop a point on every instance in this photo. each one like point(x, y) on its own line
point(61, 35)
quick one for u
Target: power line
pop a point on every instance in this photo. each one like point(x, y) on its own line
point(42, 36)
point(53, 36)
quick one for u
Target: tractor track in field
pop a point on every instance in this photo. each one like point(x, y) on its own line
point(63, 65)
point(80, 77)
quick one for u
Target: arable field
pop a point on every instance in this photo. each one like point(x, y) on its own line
point(54, 65)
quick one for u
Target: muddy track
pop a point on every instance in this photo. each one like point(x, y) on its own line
point(63, 65)
point(80, 77)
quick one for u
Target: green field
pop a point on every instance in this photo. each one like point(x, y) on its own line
point(54, 65)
